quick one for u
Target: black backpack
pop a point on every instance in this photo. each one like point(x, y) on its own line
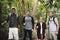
point(53, 21)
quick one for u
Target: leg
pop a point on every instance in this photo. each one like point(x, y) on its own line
point(54, 36)
point(50, 36)
point(15, 33)
point(25, 34)
point(38, 36)
point(41, 37)
point(30, 34)
point(10, 37)
point(38, 39)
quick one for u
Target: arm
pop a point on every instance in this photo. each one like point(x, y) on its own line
point(57, 24)
point(45, 28)
point(36, 25)
point(45, 25)
point(5, 21)
point(33, 22)
point(18, 22)
point(23, 20)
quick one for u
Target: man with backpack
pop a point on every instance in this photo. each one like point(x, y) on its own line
point(53, 26)
point(13, 21)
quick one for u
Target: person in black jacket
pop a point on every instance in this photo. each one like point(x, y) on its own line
point(28, 23)
point(41, 26)
point(14, 23)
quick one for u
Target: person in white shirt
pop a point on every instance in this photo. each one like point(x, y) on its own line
point(53, 26)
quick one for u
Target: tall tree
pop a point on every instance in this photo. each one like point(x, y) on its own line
point(23, 8)
point(34, 7)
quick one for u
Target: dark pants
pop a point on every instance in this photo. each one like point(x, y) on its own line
point(29, 33)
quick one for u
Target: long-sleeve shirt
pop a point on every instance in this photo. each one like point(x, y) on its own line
point(28, 21)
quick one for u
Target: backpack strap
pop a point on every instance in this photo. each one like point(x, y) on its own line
point(16, 14)
point(54, 21)
point(11, 13)
point(48, 21)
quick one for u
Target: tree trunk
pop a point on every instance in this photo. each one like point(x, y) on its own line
point(23, 8)
point(21, 18)
point(34, 7)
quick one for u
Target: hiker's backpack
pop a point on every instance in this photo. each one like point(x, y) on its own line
point(12, 20)
point(53, 21)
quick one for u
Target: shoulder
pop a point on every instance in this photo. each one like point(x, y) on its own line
point(32, 17)
point(17, 14)
point(55, 17)
point(24, 17)
point(9, 14)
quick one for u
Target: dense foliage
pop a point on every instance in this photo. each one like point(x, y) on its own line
point(42, 8)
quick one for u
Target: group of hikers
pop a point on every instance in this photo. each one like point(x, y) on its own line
point(28, 23)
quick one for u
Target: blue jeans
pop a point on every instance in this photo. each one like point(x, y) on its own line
point(29, 33)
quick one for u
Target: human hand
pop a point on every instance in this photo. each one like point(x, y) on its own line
point(2, 24)
point(56, 32)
